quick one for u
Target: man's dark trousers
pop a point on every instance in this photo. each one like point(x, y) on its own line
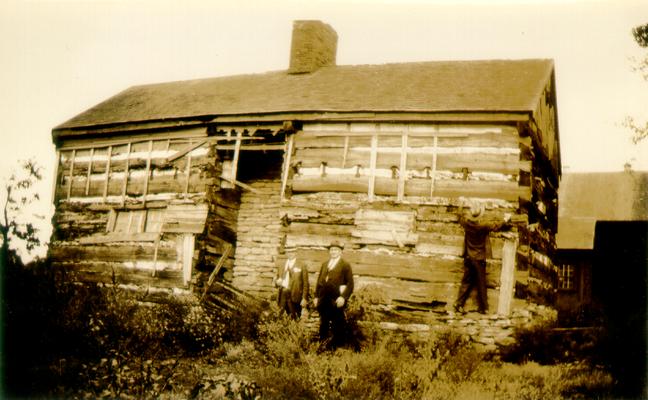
point(332, 318)
point(474, 275)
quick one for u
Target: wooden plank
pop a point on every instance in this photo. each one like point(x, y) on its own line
point(239, 183)
point(387, 134)
point(330, 184)
point(403, 168)
point(251, 147)
point(417, 292)
point(85, 143)
point(304, 228)
point(321, 240)
point(56, 181)
point(122, 253)
point(433, 173)
point(107, 176)
point(390, 237)
point(71, 177)
point(119, 237)
point(480, 162)
point(286, 167)
point(372, 167)
point(103, 272)
point(188, 243)
point(89, 172)
point(400, 217)
point(188, 173)
point(334, 157)
point(346, 151)
point(148, 170)
point(221, 261)
point(237, 151)
point(188, 149)
point(436, 243)
point(185, 218)
point(507, 277)
point(125, 182)
point(489, 116)
point(506, 139)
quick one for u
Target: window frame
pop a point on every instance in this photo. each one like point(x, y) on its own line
point(567, 277)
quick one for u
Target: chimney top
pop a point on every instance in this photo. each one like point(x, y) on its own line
point(314, 45)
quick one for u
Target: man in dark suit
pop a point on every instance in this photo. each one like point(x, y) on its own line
point(476, 251)
point(292, 281)
point(332, 292)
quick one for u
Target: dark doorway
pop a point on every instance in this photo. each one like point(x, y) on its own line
point(619, 286)
point(255, 165)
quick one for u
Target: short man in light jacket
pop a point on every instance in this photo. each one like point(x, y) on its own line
point(292, 281)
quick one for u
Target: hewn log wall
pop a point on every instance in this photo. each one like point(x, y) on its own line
point(401, 229)
point(411, 160)
point(411, 251)
point(126, 214)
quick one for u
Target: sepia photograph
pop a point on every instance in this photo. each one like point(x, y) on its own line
point(326, 199)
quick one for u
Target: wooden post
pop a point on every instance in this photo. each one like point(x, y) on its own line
point(89, 173)
point(155, 253)
point(56, 171)
point(186, 189)
point(372, 167)
point(286, 169)
point(237, 150)
point(148, 172)
point(69, 191)
point(346, 151)
point(434, 165)
point(105, 189)
point(128, 152)
point(403, 166)
point(507, 276)
point(187, 257)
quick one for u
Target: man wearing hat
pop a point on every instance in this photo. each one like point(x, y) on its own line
point(332, 292)
point(292, 281)
point(476, 251)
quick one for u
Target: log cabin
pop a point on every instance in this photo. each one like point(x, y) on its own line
point(164, 184)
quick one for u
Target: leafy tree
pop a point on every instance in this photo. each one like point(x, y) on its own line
point(639, 132)
point(19, 194)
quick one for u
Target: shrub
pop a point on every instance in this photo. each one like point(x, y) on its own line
point(285, 341)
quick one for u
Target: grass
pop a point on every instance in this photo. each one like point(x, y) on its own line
point(107, 345)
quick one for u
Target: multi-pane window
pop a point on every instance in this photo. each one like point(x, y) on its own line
point(566, 276)
point(137, 221)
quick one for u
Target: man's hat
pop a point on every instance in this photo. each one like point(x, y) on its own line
point(337, 243)
point(290, 249)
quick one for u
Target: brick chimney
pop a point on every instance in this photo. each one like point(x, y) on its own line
point(314, 45)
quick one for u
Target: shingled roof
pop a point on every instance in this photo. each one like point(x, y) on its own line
point(449, 86)
point(585, 198)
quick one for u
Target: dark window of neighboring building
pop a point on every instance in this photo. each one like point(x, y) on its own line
point(566, 276)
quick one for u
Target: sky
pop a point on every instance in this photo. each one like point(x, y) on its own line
point(59, 58)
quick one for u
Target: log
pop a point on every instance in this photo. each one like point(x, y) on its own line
point(507, 277)
point(330, 184)
point(185, 218)
point(388, 237)
point(103, 272)
point(121, 253)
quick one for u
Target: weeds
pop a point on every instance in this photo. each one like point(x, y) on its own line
point(100, 342)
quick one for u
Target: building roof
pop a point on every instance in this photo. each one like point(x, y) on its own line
point(584, 198)
point(449, 86)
